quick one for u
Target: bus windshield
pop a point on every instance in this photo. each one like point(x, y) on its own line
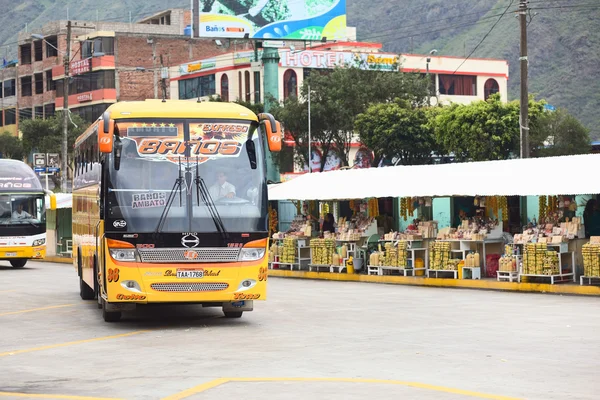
point(163, 159)
point(21, 209)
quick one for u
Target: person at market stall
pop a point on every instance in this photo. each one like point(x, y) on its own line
point(462, 215)
point(328, 223)
point(591, 218)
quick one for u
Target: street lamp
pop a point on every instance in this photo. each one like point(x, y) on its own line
point(64, 150)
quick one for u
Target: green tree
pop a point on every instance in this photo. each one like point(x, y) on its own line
point(557, 133)
point(45, 136)
point(397, 130)
point(338, 96)
point(482, 130)
point(11, 146)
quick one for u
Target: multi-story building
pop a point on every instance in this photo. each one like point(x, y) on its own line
point(238, 75)
point(8, 98)
point(110, 61)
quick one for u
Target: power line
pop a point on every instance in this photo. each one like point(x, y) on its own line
point(485, 37)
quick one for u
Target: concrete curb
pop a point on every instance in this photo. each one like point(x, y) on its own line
point(60, 260)
point(570, 289)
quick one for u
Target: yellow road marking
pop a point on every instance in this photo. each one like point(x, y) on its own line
point(6, 291)
point(52, 396)
point(197, 389)
point(54, 346)
point(36, 309)
point(217, 382)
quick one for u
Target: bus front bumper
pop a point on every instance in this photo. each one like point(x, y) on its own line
point(29, 252)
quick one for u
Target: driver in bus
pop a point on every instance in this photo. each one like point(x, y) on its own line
point(222, 188)
point(19, 213)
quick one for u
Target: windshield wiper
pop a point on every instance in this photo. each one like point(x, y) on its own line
point(177, 185)
point(202, 190)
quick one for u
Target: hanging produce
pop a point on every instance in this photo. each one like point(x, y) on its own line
point(273, 222)
point(543, 207)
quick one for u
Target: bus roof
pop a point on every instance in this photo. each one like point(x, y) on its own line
point(16, 176)
point(155, 108)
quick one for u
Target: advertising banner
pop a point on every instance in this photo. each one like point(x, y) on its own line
point(273, 19)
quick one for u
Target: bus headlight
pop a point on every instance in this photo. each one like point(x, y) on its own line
point(39, 242)
point(123, 254)
point(251, 254)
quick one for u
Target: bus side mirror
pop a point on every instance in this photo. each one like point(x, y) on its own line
point(272, 130)
point(106, 131)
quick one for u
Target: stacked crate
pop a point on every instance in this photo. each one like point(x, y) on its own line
point(439, 255)
point(288, 252)
point(591, 260)
point(396, 255)
point(322, 251)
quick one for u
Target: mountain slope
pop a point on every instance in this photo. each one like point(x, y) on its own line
point(563, 43)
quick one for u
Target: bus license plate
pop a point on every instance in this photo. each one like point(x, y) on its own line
point(12, 254)
point(187, 273)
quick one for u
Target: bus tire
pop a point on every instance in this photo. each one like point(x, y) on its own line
point(18, 263)
point(233, 314)
point(85, 292)
point(110, 316)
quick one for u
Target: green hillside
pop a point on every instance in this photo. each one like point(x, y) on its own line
point(564, 44)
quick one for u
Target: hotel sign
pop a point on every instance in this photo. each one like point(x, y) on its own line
point(197, 66)
point(332, 59)
point(80, 66)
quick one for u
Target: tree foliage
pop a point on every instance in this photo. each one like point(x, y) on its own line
point(338, 96)
point(558, 133)
point(397, 130)
point(45, 136)
point(11, 146)
point(482, 130)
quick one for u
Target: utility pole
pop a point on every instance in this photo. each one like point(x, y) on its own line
point(163, 80)
point(524, 119)
point(67, 62)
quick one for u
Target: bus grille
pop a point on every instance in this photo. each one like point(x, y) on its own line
point(189, 287)
point(192, 255)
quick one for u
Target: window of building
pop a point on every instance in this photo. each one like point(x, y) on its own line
point(9, 88)
point(290, 84)
point(26, 86)
point(168, 19)
point(491, 86)
point(1, 90)
point(105, 45)
point(87, 82)
point(247, 85)
point(458, 85)
point(224, 87)
point(1, 117)
point(10, 116)
point(197, 87)
point(25, 113)
point(90, 113)
point(51, 45)
point(39, 112)
point(256, 86)
point(25, 51)
point(240, 86)
point(50, 84)
point(39, 83)
point(38, 50)
point(49, 110)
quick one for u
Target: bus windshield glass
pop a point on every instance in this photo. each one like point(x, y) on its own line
point(19, 209)
point(175, 160)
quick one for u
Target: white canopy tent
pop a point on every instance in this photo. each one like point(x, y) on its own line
point(566, 175)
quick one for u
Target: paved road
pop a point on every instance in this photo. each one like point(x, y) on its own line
point(311, 339)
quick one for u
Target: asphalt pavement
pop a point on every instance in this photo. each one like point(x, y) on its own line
point(309, 340)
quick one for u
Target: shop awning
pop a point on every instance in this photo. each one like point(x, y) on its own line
point(566, 175)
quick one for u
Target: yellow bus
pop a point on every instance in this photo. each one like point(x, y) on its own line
point(22, 214)
point(170, 206)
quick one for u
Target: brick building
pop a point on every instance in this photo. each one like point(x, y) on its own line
point(110, 61)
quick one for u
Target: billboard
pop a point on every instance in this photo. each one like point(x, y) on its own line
point(273, 19)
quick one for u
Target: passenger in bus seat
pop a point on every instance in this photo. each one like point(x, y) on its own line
point(222, 188)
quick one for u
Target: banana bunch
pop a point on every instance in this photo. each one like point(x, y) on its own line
point(537, 260)
point(503, 205)
point(322, 251)
point(439, 255)
point(288, 252)
point(591, 259)
point(373, 206)
point(273, 222)
point(543, 207)
point(406, 207)
point(491, 203)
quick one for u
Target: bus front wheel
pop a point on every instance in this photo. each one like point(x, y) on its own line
point(110, 316)
point(18, 263)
